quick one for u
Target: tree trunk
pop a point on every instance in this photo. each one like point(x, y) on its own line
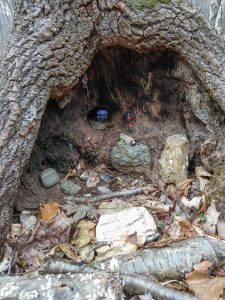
point(54, 42)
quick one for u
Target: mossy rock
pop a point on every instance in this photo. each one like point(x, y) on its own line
point(141, 4)
point(215, 190)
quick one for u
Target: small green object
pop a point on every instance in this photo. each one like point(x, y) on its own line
point(141, 4)
point(120, 142)
point(160, 224)
point(203, 218)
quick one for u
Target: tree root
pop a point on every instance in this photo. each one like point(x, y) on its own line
point(140, 286)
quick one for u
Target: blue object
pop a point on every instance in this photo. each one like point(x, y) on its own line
point(102, 115)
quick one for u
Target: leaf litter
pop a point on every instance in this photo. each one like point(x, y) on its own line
point(67, 231)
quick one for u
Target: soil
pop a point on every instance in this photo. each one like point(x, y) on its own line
point(149, 85)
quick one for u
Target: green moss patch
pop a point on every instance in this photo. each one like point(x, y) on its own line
point(141, 4)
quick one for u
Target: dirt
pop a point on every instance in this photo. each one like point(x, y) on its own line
point(150, 86)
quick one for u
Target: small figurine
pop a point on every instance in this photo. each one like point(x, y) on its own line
point(102, 115)
point(130, 121)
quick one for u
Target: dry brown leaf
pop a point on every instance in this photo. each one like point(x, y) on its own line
point(49, 211)
point(185, 186)
point(71, 173)
point(80, 166)
point(69, 251)
point(101, 167)
point(204, 287)
point(85, 235)
point(150, 189)
point(34, 248)
point(186, 228)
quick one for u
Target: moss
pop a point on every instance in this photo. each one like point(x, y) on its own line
point(141, 4)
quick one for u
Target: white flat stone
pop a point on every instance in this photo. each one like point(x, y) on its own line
point(117, 226)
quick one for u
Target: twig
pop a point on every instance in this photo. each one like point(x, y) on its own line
point(123, 193)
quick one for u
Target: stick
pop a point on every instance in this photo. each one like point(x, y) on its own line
point(123, 193)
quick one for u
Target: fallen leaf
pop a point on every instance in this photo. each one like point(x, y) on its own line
point(80, 166)
point(115, 248)
point(86, 234)
point(186, 228)
point(204, 287)
point(49, 211)
point(185, 186)
point(150, 189)
point(69, 251)
point(35, 247)
point(100, 167)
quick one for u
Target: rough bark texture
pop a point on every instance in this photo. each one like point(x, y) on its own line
point(54, 42)
point(173, 261)
point(57, 287)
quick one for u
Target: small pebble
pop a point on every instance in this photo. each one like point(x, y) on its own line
point(49, 178)
point(104, 190)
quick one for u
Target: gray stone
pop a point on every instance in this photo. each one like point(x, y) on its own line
point(173, 163)
point(49, 178)
point(104, 190)
point(104, 177)
point(70, 188)
point(128, 159)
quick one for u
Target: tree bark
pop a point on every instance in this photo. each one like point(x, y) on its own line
point(53, 44)
point(99, 285)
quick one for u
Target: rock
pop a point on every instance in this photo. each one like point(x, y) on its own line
point(93, 179)
point(49, 178)
point(215, 189)
point(105, 177)
point(210, 158)
point(126, 138)
point(113, 206)
point(128, 159)
point(120, 225)
point(28, 220)
point(70, 188)
point(104, 190)
point(173, 163)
